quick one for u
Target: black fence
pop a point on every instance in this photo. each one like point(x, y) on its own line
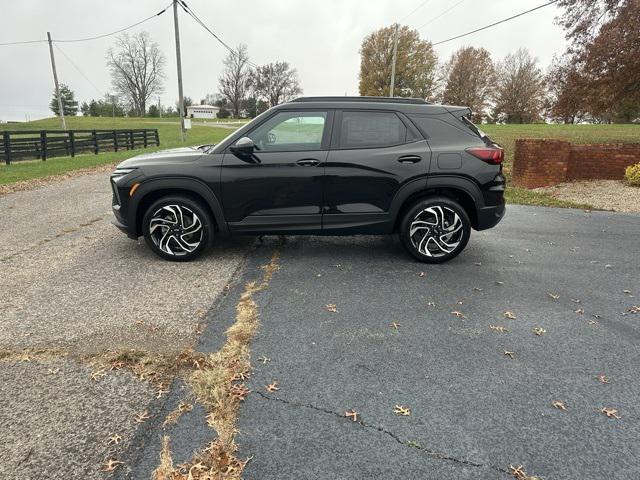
point(32, 144)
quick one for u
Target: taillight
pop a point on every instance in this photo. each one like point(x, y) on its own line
point(492, 155)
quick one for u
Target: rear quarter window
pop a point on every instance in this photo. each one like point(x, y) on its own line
point(370, 129)
point(442, 131)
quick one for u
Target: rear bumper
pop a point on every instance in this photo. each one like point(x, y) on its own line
point(490, 216)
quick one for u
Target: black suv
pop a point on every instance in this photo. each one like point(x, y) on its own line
point(321, 166)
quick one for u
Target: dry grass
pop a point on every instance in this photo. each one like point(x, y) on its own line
point(218, 385)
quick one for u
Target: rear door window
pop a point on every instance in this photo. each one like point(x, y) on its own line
point(371, 129)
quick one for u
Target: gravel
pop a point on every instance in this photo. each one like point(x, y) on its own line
point(613, 195)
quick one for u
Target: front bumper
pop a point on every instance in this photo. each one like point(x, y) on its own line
point(120, 223)
point(490, 216)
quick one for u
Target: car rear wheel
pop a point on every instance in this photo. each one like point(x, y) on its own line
point(177, 228)
point(435, 229)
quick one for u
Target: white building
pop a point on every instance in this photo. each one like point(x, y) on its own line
point(202, 111)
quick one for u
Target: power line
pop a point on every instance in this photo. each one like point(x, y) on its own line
point(92, 38)
point(78, 69)
point(414, 10)
point(117, 31)
point(193, 15)
point(23, 43)
point(495, 23)
point(441, 15)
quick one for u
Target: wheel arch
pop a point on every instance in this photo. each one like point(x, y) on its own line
point(459, 189)
point(152, 190)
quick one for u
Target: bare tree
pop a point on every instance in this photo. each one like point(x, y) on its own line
point(520, 90)
point(137, 69)
point(276, 83)
point(469, 78)
point(236, 78)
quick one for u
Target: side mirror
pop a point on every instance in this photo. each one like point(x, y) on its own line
point(244, 147)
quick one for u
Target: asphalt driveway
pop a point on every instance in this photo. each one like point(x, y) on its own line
point(474, 410)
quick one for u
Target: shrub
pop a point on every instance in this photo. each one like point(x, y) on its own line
point(632, 174)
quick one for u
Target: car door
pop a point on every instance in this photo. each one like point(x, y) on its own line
point(279, 188)
point(373, 153)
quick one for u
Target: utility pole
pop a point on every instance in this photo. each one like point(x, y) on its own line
point(55, 80)
point(393, 62)
point(159, 107)
point(179, 63)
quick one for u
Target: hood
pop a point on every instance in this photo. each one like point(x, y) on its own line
point(173, 155)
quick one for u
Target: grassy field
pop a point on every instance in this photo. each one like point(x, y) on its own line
point(168, 129)
point(169, 132)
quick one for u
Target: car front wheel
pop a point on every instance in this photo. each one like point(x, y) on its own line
point(435, 229)
point(177, 228)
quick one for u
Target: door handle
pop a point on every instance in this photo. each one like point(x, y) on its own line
point(308, 162)
point(410, 159)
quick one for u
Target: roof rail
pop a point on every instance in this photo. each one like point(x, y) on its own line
point(418, 101)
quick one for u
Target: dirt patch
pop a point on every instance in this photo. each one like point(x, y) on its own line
point(614, 195)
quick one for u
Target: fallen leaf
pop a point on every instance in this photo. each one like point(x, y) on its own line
point(499, 283)
point(595, 315)
point(264, 360)
point(239, 390)
point(509, 315)
point(610, 412)
point(460, 302)
point(575, 300)
point(98, 373)
point(634, 309)
point(539, 331)
point(331, 308)
point(608, 266)
point(628, 292)
point(111, 465)
point(53, 371)
point(352, 414)
point(560, 405)
point(509, 354)
point(498, 328)
point(396, 325)
point(603, 378)
point(431, 304)
point(478, 264)
point(161, 391)
point(338, 265)
point(142, 417)
point(579, 311)
point(413, 444)
point(272, 387)
point(114, 439)
point(553, 295)
point(458, 314)
point(518, 472)
point(421, 274)
point(477, 289)
point(403, 411)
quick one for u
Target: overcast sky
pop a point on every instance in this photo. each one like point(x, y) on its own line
point(320, 38)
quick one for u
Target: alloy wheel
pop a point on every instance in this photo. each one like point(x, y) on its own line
point(176, 230)
point(436, 231)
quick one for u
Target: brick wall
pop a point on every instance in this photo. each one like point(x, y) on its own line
point(541, 163)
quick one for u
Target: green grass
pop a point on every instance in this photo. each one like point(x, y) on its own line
point(168, 130)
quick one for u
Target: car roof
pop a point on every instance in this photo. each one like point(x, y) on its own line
point(405, 105)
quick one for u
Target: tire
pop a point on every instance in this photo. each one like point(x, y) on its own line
point(427, 237)
point(177, 228)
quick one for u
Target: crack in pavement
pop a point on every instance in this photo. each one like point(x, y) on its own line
point(431, 453)
point(61, 233)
